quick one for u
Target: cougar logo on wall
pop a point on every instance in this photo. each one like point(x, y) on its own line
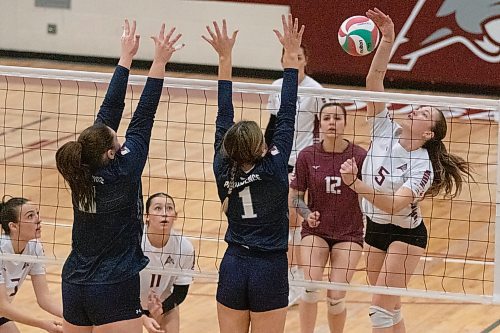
point(434, 25)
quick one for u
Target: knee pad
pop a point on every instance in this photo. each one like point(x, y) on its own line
point(294, 236)
point(335, 306)
point(311, 295)
point(380, 317)
point(398, 316)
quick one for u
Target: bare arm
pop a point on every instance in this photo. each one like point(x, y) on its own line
point(15, 314)
point(43, 297)
point(378, 68)
point(312, 218)
point(390, 203)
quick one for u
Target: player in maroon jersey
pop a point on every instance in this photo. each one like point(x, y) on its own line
point(333, 223)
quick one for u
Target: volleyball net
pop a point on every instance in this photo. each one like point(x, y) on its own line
point(42, 109)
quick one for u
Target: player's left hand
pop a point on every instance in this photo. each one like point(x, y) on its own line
point(154, 305)
point(151, 325)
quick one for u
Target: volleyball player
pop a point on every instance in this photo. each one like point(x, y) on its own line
point(20, 220)
point(252, 183)
point(407, 161)
point(305, 120)
point(161, 294)
point(333, 223)
point(100, 278)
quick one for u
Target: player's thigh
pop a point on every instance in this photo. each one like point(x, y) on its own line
point(270, 321)
point(314, 256)
point(9, 327)
point(170, 322)
point(232, 321)
point(70, 328)
point(400, 263)
point(344, 258)
point(374, 261)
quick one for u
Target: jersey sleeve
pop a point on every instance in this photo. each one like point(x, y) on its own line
point(285, 123)
point(186, 262)
point(37, 268)
point(299, 178)
point(111, 110)
point(420, 177)
point(135, 149)
point(273, 104)
point(224, 120)
point(381, 125)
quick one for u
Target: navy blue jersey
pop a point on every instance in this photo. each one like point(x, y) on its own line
point(106, 245)
point(258, 205)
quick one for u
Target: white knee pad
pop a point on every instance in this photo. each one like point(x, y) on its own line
point(294, 236)
point(398, 316)
point(311, 295)
point(335, 306)
point(380, 317)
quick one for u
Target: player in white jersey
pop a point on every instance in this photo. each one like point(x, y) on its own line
point(21, 232)
point(306, 120)
point(162, 293)
point(406, 162)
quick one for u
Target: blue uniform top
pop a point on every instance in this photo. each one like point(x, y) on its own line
point(258, 205)
point(106, 245)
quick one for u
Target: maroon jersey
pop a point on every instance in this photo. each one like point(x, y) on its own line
point(318, 173)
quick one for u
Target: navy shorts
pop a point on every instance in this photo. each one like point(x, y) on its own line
point(99, 304)
point(381, 236)
point(253, 280)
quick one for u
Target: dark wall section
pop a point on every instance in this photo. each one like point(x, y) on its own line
point(443, 44)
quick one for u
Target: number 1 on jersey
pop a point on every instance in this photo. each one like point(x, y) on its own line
point(246, 199)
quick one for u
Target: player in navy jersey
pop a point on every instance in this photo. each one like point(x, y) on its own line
point(407, 161)
point(20, 221)
point(100, 278)
point(252, 183)
point(333, 223)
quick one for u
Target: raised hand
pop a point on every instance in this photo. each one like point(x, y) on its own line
point(291, 40)
point(165, 45)
point(129, 43)
point(383, 22)
point(220, 41)
point(349, 171)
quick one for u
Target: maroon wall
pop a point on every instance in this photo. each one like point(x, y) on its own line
point(445, 50)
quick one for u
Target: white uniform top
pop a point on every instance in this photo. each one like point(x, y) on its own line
point(12, 273)
point(307, 109)
point(388, 166)
point(178, 253)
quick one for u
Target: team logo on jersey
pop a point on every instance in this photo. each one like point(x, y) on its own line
point(474, 24)
point(315, 167)
point(403, 167)
point(169, 260)
point(124, 151)
point(274, 151)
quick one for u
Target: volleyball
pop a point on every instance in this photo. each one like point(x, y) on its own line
point(358, 35)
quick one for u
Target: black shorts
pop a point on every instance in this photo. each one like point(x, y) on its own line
point(94, 305)
point(251, 280)
point(4, 321)
point(290, 168)
point(381, 236)
point(330, 241)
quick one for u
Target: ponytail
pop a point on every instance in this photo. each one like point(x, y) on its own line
point(232, 176)
point(77, 175)
point(450, 170)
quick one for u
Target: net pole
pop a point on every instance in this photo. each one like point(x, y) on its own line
point(496, 272)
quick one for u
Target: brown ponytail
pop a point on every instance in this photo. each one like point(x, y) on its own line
point(449, 170)
point(77, 160)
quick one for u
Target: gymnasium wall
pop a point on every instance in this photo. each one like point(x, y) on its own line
point(93, 28)
point(440, 44)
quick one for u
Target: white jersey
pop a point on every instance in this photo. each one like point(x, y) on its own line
point(388, 166)
point(13, 274)
point(307, 109)
point(178, 253)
